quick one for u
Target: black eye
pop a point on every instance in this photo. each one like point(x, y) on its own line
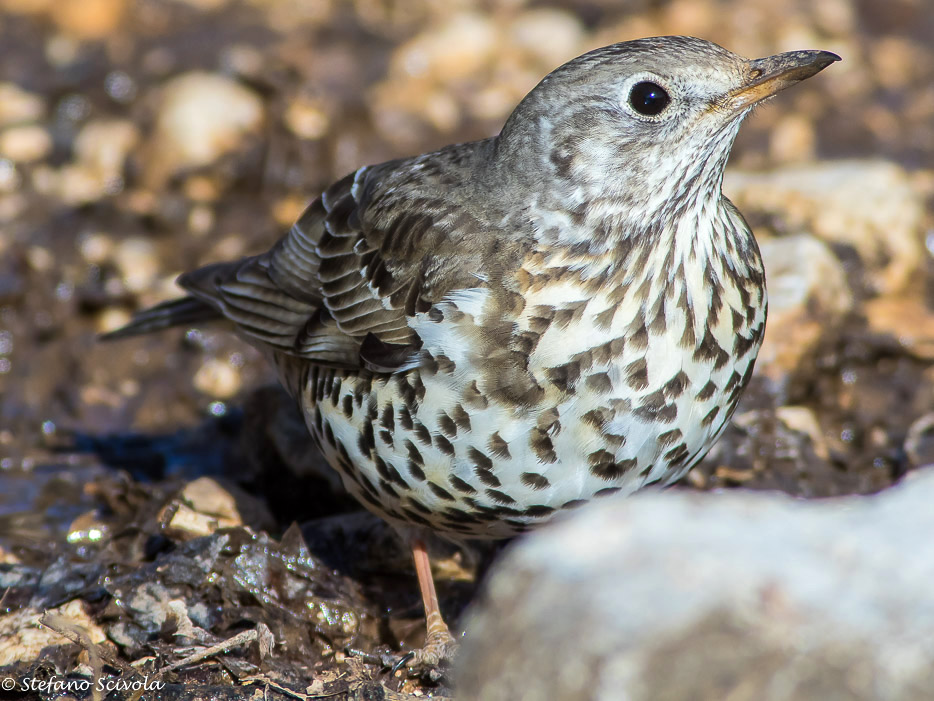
point(648, 98)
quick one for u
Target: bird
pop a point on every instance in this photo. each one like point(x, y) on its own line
point(486, 336)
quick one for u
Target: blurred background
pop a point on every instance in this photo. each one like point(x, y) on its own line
point(140, 138)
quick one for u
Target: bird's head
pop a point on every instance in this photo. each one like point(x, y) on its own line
point(645, 121)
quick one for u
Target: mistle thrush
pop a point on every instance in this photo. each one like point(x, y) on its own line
point(490, 334)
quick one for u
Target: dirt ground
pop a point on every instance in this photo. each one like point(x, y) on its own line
point(148, 488)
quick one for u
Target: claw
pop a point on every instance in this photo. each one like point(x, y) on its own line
point(403, 661)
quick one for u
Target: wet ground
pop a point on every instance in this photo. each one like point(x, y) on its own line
point(103, 202)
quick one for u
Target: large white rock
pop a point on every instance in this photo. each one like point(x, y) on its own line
point(740, 596)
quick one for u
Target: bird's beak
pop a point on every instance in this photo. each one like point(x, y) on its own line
point(767, 76)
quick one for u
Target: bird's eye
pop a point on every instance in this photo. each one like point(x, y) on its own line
point(648, 98)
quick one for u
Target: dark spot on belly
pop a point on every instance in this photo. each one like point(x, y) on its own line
point(460, 485)
point(669, 437)
point(655, 408)
point(499, 497)
point(711, 415)
point(599, 382)
point(498, 447)
point(533, 480)
point(440, 491)
point(637, 374)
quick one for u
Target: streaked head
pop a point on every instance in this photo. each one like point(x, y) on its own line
point(649, 115)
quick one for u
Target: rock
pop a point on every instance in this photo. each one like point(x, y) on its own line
point(22, 638)
point(104, 145)
point(919, 443)
point(872, 206)
point(201, 117)
point(100, 149)
point(551, 36)
point(25, 144)
point(217, 378)
point(907, 319)
point(137, 262)
point(307, 118)
point(201, 508)
point(18, 106)
point(808, 296)
point(459, 47)
point(738, 595)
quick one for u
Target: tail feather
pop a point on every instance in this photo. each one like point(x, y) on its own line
point(184, 311)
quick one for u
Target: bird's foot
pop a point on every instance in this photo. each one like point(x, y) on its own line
point(433, 659)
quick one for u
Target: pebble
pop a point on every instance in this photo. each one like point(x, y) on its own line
point(24, 639)
point(18, 106)
point(111, 319)
point(919, 443)
point(137, 263)
point(456, 49)
point(307, 118)
point(25, 144)
point(96, 248)
point(73, 184)
point(808, 296)
point(201, 117)
point(907, 319)
point(872, 206)
point(217, 378)
point(103, 145)
point(551, 36)
point(201, 508)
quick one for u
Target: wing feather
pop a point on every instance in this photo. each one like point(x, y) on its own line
point(341, 287)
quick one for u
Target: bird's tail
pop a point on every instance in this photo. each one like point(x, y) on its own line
point(175, 312)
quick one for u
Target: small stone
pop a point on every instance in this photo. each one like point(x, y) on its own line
point(306, 118)
point(73, 184)
point(137, 263)
point(919, 443)
point(201, 188)
point(112, 319)
point(217, 378)
point(460, 47)
point(25, 144)
point(907, 319)
point(200, 219)
point(808, 297)
point(10, 179)
point(206, 496)
point(17, 106)
point(872, 206)
point(104, 145)
point(551, 36)
point(286, 210)
point(24, 639)
point(40, 259)
point(96, 248)
point(804, 420)
point(202, 116)
point(62, 50)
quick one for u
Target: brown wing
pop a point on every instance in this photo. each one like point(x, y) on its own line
point(378, 246)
